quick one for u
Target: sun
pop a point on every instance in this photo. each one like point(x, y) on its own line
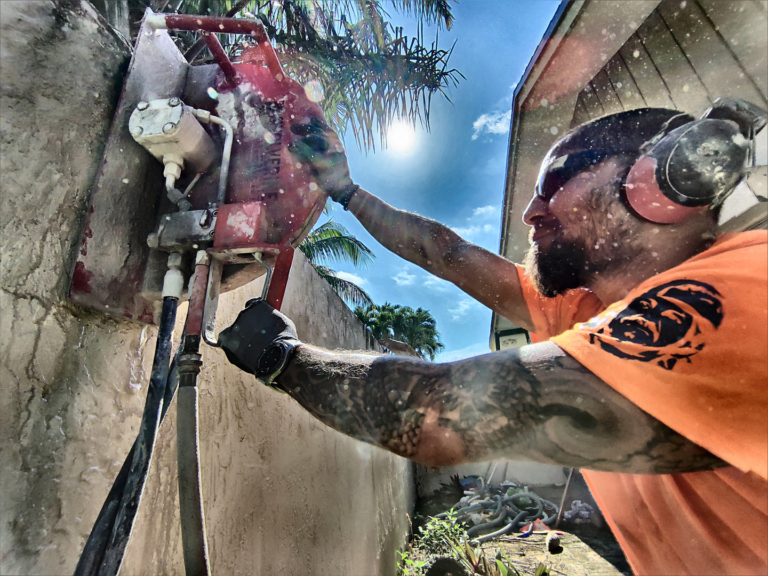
point(401, 137)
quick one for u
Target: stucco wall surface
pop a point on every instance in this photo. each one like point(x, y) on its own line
point(283, 493)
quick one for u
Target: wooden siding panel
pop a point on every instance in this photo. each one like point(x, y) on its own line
point(719, 71)
point(744, 27)
point(687, 91)
point(580, 114)
point(591, 101)
point(624, 84)
point(644, 72)
point(606, 93)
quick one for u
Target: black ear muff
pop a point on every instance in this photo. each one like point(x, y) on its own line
point(695, 165)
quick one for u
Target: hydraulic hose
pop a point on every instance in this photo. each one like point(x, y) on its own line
point(193, 538)
point(144, 446)
point(93, 552)
point(190, 488)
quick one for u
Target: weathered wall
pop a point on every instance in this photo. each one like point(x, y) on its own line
point(283, 494)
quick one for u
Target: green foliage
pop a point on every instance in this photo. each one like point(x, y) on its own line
point(408, 566)
point(477, 563)
point(332, 242)
point(542, 570)
point(436, 535)
point(371, 73)
point(417, 328)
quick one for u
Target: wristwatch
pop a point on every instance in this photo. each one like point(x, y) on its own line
point(272, 362)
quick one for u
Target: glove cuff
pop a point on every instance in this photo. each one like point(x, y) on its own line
point(344, 195)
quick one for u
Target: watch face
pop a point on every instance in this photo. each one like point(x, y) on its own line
point(270, 359)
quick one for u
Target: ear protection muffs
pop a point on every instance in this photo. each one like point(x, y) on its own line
point(692, 165)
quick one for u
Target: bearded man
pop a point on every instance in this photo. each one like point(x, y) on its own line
point(650, 373)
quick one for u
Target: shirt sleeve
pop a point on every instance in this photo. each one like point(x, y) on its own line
point(690, 347)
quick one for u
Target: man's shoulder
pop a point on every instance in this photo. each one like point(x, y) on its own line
point(739, 240)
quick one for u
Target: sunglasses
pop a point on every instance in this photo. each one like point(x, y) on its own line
point(561, 169)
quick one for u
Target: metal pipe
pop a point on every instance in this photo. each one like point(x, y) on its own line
point(562, 500)
point(221, 26)
point(221, 58)
point(145, 444)
point(226, 156)
point(197, 47)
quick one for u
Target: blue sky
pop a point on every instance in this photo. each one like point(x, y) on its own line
point(455, 173)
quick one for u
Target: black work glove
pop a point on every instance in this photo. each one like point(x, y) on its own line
point(320, 147)
point(260, 341)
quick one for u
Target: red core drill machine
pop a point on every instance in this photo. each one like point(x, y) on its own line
point(221, 134)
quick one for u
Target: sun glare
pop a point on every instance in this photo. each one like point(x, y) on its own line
point(401, 137)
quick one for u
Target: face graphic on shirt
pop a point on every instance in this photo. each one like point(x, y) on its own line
point(666, 324)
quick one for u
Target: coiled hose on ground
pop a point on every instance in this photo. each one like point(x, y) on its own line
point(504, 508)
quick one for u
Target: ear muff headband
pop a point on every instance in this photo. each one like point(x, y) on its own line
point(694, 166)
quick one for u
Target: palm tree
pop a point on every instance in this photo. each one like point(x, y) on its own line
point(332, 242)
point(371, 73)
point(403, 325)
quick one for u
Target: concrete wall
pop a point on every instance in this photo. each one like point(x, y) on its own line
point(283, 493)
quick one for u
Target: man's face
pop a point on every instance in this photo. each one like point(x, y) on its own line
point(580, 227)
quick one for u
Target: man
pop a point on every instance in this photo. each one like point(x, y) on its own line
point(651, 373)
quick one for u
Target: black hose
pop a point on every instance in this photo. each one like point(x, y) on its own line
point(511, 525)
point(93, 553)
point(490, 524)
point(193, 537)
point(118, 514)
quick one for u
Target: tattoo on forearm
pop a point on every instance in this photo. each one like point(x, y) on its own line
point(546, 408)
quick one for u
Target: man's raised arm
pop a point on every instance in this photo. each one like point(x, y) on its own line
point(487, 277)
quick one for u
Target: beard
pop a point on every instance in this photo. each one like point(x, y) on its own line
point(576, 262)
point(564, 266)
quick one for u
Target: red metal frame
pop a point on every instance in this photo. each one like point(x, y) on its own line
point(229, 26)
point(280, 278)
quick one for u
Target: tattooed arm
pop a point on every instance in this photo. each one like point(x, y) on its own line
point(536, 403)
point(487, 277)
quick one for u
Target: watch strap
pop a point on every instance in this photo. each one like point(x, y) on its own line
point(268, 368)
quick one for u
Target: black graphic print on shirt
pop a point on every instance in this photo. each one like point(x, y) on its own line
point(666, 324)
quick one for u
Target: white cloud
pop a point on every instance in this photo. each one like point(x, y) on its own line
point(436, 283)
point(403, 278)
point(484, 211)
point(474, 226)
point(493, 123)
point(462, 307)
point(466, 232)
point(352, 278)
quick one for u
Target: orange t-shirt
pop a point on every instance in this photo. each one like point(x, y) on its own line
point(689, 347)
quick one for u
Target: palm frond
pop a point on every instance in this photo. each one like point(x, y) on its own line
point(348, 291)
point(431, 11)
point(331, 241)
point(369, 85)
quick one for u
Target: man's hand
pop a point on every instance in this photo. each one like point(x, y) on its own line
point(260, 341)
point(321, 148)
